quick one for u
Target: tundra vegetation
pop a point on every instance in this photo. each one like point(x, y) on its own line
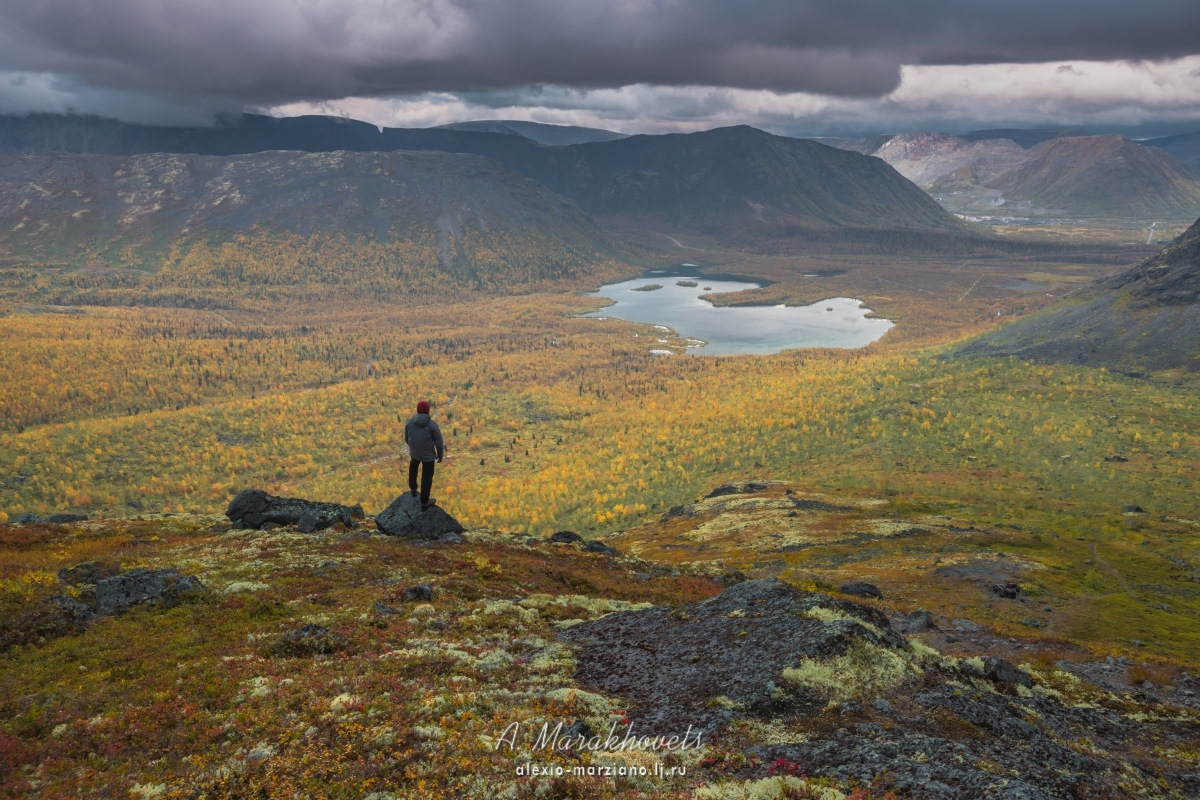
point(150, 418)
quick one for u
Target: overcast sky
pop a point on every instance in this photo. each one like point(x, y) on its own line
point(806, 67)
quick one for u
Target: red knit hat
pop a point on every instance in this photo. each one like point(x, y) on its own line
point(423, 407)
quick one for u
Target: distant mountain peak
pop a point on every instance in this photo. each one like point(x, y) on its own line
point(540, 132)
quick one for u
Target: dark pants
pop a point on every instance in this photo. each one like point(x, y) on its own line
point(426, 477)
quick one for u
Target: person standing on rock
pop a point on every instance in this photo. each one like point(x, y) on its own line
point(425, 446)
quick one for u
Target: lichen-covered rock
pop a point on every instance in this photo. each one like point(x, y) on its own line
point(119, 593)
point(1002, 671)
point(422, 592)
point(595, 546)
point(917, 621)
point(749, 487)
point(692, 664)
point(565, 537)
point(254, 508)
point(862, 589)
point(88, 572)
point(405, 518)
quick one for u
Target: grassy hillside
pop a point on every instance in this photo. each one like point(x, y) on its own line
point(1143, 317)
point(350, 224)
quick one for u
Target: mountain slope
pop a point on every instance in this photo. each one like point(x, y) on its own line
point(556, 135)
point(1026, 138)
point(458, 216)
point(1146, 316)
point(925, 158)
point(1102, 176)
point(1185, 147)
point(727, 181)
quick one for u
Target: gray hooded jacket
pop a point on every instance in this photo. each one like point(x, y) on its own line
point(424, 438)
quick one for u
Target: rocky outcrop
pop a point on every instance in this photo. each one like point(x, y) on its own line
point(405, 518)
point(107, 594)
point(875, 712)
point(749, 487)
point(118, 594)
point(686, 666)
point(254, 508)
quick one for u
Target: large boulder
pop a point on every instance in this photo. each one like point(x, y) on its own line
point(254, 508)
point(106, 594)
point(117, 594)
point(405, 517)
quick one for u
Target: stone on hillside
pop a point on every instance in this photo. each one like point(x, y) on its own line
point(687, 665)
point(88, 572)
point(308, 640)
point(749, 487)
point(1008, 590)
point(254, 508)
point(422, 592)
point(405, 518)
point(117, 594)
point(63, 519)
point(595, 546)
point(917, 621)
point(1002, 671)
point(862, 589)
point(26, 518)
point(565, 537)
point(79, 611)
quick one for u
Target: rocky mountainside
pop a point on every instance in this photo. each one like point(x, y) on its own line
point(1146, 316)
point(462, 215)
point(1059, 173)
point(737, 178)
point(1185, 147)
point(1101, 176)
point(1025, 137)
point(927, 158)
point(249, 652)
point(725, 182)
point(557, 135)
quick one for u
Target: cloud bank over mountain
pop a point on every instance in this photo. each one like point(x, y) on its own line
point(701, 59)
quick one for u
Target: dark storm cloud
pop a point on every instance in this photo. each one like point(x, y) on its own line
point(275, 51)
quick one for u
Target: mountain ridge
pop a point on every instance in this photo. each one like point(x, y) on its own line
point(456, 215)
point(739, 183)
point(1145, 316)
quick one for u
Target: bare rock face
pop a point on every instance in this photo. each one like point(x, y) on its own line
point(405, 518)
point(254, 508)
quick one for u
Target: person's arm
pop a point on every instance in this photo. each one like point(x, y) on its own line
point(438, 444)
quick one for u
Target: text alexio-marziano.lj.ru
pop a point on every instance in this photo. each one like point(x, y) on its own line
point(554, 739)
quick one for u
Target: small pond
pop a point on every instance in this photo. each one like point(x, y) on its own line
point(676, 304)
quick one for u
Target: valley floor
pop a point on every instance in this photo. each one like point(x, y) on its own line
point(936, 480)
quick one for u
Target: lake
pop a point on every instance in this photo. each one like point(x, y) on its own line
point(836, 322)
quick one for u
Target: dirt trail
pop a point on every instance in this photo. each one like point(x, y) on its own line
point(1100, 562)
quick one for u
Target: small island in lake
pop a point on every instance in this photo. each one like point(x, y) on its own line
point(649, 287)
point(686, 283)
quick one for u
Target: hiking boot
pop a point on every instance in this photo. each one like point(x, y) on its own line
point(413, 492)
point(428, 504)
